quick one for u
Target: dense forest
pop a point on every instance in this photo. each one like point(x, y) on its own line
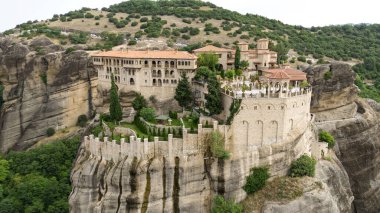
point(37, 180)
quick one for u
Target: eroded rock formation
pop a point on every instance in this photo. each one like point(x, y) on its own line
point(355, 124)
point(44, 88)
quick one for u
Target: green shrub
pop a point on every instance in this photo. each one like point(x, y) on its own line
point(328, 138)
point(293, 60)
point(43, 77)
point(328, 75)
point(134, 23)
point(132, 42)
point(309, 62)
point(69, 50)
point(301, 58)
point(139, 102)
point(97, 18)
point(216, 141)
point(144, 19)
point(303, 166)
point(173, 115)
point(220, 205)
point(186, 37)
point(187, 21)
point(89, 15)
point(148, 114)
point(78, 38)
point(256, 180)
point(82, 120)
point(50, 132)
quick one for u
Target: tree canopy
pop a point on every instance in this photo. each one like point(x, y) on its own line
point(209, 60)
point(214, 96)
point(115, 108)
point(183, 93)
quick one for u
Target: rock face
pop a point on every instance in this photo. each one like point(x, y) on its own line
point(44, 87)
point(329, 192)
point(354, 122)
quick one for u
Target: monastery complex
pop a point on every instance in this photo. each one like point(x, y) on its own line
point(274, 101)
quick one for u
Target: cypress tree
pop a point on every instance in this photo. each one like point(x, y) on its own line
point(214, 98)
point(237, 58)
point(115, 107)
point(183, 94)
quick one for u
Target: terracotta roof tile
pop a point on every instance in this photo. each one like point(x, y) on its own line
point(148, 54)
point(294, 75)
point(279, 75)
point(211, 48)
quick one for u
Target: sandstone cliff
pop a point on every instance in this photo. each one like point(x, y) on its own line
point(355, 124)
point(44, 87)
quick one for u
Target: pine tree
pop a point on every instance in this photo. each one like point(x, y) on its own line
point(214, 98)
point(183, 94)
point(237, 58)
point(115, 107)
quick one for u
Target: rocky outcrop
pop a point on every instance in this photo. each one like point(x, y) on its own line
point(119, 182)
point(43, 87)
point(355, 124)
point(328, 192)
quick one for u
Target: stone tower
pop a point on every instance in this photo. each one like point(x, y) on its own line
point(263, 44)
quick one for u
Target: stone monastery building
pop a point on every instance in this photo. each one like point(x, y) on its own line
point(258, 59)
point(148, 72)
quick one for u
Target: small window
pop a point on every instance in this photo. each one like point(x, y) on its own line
point(282, 107)
point(255, 107)
point(268, 107)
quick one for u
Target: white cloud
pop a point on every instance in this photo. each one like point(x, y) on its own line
point(296, 12)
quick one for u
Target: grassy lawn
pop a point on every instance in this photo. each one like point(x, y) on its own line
point(134, 128)
point(189, 123)
point(176, 122)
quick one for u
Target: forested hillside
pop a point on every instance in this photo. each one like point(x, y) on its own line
point(37, 180)
point(198, 23)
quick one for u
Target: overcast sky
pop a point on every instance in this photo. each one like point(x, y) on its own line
point(296, 12)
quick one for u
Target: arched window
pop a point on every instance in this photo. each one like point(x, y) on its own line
point(131, 81)
point(172, 73)
point(159, 82)
point(154, 82)
point(159, 73)
point(172, 64)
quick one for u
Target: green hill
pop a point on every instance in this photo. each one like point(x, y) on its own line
point(196, 23)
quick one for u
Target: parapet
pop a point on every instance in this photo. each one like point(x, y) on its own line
point(189, 144)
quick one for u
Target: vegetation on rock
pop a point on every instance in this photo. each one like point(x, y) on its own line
point(280, 189)
point(303, 166)
point(139, 102)
point(82, 120)
point(220, 205)
point(328, 138)
point(216, 142)
point(50, 132)
point(256, 180)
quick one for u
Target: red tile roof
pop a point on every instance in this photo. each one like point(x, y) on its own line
point(279, 75)
point(148, 54)
point(294, 75)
